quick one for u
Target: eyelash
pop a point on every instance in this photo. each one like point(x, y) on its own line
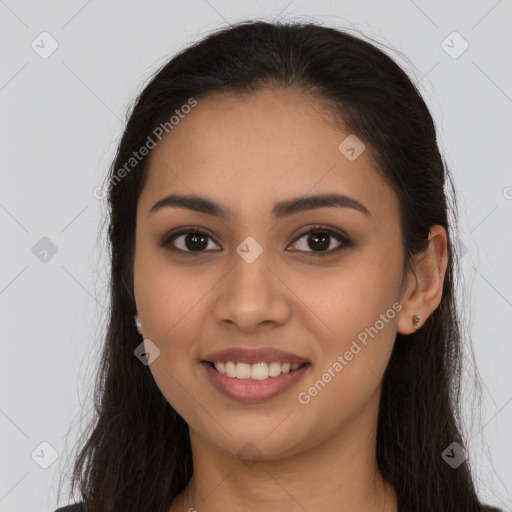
point(167, 240)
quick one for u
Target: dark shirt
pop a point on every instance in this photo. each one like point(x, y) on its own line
point(78, 507)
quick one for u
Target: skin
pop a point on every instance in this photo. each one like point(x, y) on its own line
point(248, 153)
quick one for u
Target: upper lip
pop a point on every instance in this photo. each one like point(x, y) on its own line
point(254, 355)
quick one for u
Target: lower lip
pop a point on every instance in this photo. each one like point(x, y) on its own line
point(251, 390)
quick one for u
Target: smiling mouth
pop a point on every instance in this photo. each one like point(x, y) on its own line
point(258, 371)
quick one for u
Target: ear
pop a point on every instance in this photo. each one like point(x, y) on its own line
point(424, 288)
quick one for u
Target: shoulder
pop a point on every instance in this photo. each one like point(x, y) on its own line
point(487, 508)
point(77, 507)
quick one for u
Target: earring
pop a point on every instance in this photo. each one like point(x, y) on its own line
point(138, 325)
point(416, 320)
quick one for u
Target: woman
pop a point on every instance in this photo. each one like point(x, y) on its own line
point(279, 235)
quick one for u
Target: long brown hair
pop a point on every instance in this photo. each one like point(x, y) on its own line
point(137, 455)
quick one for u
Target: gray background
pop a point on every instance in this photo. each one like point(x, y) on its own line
point(61, 118)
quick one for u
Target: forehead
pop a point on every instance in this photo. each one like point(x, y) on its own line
point(267, 146)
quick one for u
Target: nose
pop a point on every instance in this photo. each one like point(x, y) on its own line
point(252, 295)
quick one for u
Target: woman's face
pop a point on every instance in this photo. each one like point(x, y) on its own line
point(258, 280)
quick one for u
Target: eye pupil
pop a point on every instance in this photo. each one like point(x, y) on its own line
point(316, 236)
point(194, 241)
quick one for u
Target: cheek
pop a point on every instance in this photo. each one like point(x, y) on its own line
point(171, 303)
point(358, 309)
point(165, 294)
point(347, 382)
point(350, 300)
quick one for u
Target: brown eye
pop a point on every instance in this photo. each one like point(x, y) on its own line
point(319, 239)
point(187, 241)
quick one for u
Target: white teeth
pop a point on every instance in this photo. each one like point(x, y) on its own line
point(274, 369)
point(231, 369)
point(258, 371)
point(243, 371)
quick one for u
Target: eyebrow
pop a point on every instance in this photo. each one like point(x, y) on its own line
point(280, 210)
